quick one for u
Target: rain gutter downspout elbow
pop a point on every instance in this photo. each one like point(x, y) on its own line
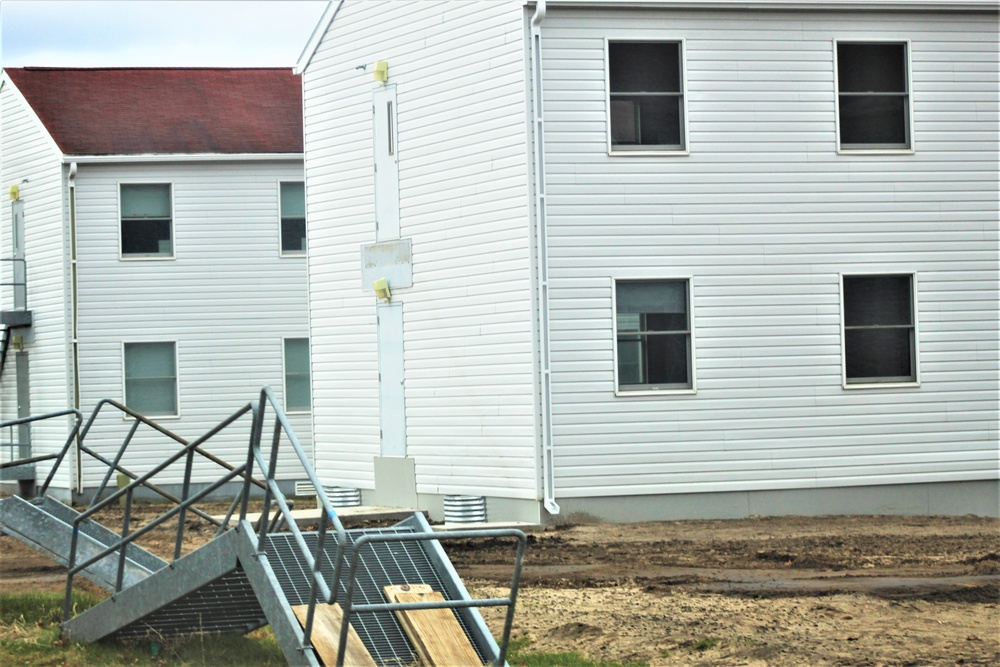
point(538, 127)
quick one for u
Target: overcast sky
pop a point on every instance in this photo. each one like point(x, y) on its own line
point(155, 33)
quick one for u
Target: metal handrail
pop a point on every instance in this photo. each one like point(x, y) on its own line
point(313, 559)
point(128, 491)
point(314, 562)
point(59, 456)
point(349, 607)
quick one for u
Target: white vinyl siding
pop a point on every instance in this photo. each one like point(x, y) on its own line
point(28, 157)
point(459, 72)
point(227, 300)
point(766, 215)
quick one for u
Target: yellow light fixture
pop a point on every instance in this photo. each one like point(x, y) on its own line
point(382, 71)
point(381, 286)
point(15, 192)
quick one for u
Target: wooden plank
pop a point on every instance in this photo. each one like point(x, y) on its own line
point(435, 633)
point(326, 635)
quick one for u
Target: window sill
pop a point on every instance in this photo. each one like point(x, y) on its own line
point(652, 152)
point(881, 385)
point(626, 393)
point(293, 255)
point(129, 418)
point(876, 151)
point(146, 258)
point(297, 412)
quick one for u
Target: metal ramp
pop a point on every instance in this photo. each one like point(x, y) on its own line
point(47, 527)
point(249, 577)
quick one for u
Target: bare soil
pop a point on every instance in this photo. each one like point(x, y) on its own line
point(772, 591)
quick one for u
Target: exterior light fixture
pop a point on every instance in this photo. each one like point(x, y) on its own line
point(381, 287)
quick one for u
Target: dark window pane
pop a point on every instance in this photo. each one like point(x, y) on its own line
point(877, 300)
point(878, 119)
point(293, 234)
point(666, 322)
point(667, 359)
point(879, 354)
point(646, 120)
point(146, 237)
point(661, 296)
point(629, 360)
point(652, 67)
point(866, 68)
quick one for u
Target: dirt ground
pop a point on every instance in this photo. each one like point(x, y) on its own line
point(785, 591)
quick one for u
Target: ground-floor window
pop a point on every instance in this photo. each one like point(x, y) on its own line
point(298, 396)
point(880, 342)
point(151, 378)
point(653, 335)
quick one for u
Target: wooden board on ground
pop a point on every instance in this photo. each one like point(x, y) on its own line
point(435, 633)
point(327, 621)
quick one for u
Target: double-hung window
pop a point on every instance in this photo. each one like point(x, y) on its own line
point(880, 342)
point(654, 347)
point(646, 96)
point(146, 220)
point(151, 378)
point(293, 218)
point(873, 96)
point(298, 396)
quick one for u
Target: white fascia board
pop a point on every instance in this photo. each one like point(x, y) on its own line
point(184, 157)
point(322, 27)
point(6, 81)
point(854, 5)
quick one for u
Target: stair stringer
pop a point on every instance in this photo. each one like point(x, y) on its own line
point(48, 529)
point(278, 611)
point(179, 579)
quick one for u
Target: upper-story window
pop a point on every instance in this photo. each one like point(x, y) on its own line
point(873, 96)
point(646, 90)
point(293, 218)
point(880, 341)
point(654, 346)
point(146, 220)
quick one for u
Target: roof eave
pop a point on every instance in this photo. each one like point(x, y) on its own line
point(183, 157)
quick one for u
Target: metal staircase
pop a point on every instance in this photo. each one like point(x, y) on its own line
point(246, 578)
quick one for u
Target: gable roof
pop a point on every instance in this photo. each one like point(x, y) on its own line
point(134, 111)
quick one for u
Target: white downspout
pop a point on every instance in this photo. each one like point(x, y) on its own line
point(548, 472)
point(74, 295)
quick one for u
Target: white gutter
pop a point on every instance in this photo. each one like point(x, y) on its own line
point(773, 5)
point(548, 464)
point(182, 157)
point(74, 295)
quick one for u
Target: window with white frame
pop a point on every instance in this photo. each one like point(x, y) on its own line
point(873, 96)
point(646, 89)
point(298, 396)
point(879, 329)
point(146, 220)
point(653, 335)
point(293, 218)
point(151, 378)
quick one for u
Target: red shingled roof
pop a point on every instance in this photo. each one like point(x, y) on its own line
point(131, 111)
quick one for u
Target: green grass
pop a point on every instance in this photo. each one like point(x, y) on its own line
point(518, 655)
point(704, 644)
point(29, 635)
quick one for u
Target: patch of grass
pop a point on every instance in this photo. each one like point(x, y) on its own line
point(29, 635)
point(519, 656)
point(704, 644)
